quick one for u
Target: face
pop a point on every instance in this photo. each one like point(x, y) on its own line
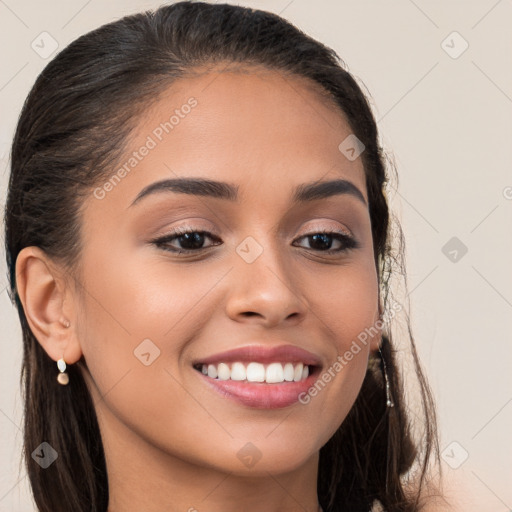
point(277, 277)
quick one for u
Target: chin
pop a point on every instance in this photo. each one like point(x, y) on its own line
point(260, 457)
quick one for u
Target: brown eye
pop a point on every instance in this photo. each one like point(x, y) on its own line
point(323, 241)
point(185, 240)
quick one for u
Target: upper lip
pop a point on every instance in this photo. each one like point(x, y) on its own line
point(264, 354)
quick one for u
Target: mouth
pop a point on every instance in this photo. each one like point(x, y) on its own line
point(261, 377)
point(272, 373)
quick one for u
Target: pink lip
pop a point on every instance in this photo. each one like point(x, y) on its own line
point(263, 354)
point(260, 395)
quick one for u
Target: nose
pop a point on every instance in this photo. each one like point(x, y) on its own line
point(265, 291)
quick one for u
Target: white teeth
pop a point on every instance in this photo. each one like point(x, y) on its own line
point(288, 372)
point(255, 372)
point(212, 371)
point(238, 371)
point(297, 374)
point(223, 372)
point(272, 373)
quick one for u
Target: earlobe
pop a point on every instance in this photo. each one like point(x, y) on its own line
point(42, 291)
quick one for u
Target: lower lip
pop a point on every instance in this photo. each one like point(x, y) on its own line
point(260, 395)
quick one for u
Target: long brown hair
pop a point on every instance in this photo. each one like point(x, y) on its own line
point(74, 125)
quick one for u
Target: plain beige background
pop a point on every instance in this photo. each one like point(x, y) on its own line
point(445, 112)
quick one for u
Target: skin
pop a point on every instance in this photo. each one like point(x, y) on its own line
point(171, 443)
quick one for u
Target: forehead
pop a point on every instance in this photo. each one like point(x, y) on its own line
point(249, 126)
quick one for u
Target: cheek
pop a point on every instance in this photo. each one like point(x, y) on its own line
point(348, 310)
point(126, 302)
point(349, 306)
point(137, 319)
point(134, 326)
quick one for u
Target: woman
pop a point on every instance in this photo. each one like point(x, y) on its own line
point(200, 250)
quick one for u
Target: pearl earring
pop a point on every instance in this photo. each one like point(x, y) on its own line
point(62, 377)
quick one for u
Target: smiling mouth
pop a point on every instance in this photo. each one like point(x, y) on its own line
point(255, 372)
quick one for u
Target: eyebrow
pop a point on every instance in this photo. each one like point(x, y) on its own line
point(222, 190)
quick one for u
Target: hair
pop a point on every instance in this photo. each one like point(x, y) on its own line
point(74, 126)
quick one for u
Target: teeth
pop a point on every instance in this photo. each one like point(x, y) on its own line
point(288, 372)
point(212, 371)
point(238, 371)
point(297, 374)
point(223, 372)
point(272, 373)
point(255, 372)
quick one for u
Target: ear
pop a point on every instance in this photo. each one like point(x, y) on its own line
point(46, 299)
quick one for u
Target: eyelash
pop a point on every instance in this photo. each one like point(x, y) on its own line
point(348, 242)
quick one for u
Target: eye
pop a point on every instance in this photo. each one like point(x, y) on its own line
point(322, 241)
point(188, 240)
